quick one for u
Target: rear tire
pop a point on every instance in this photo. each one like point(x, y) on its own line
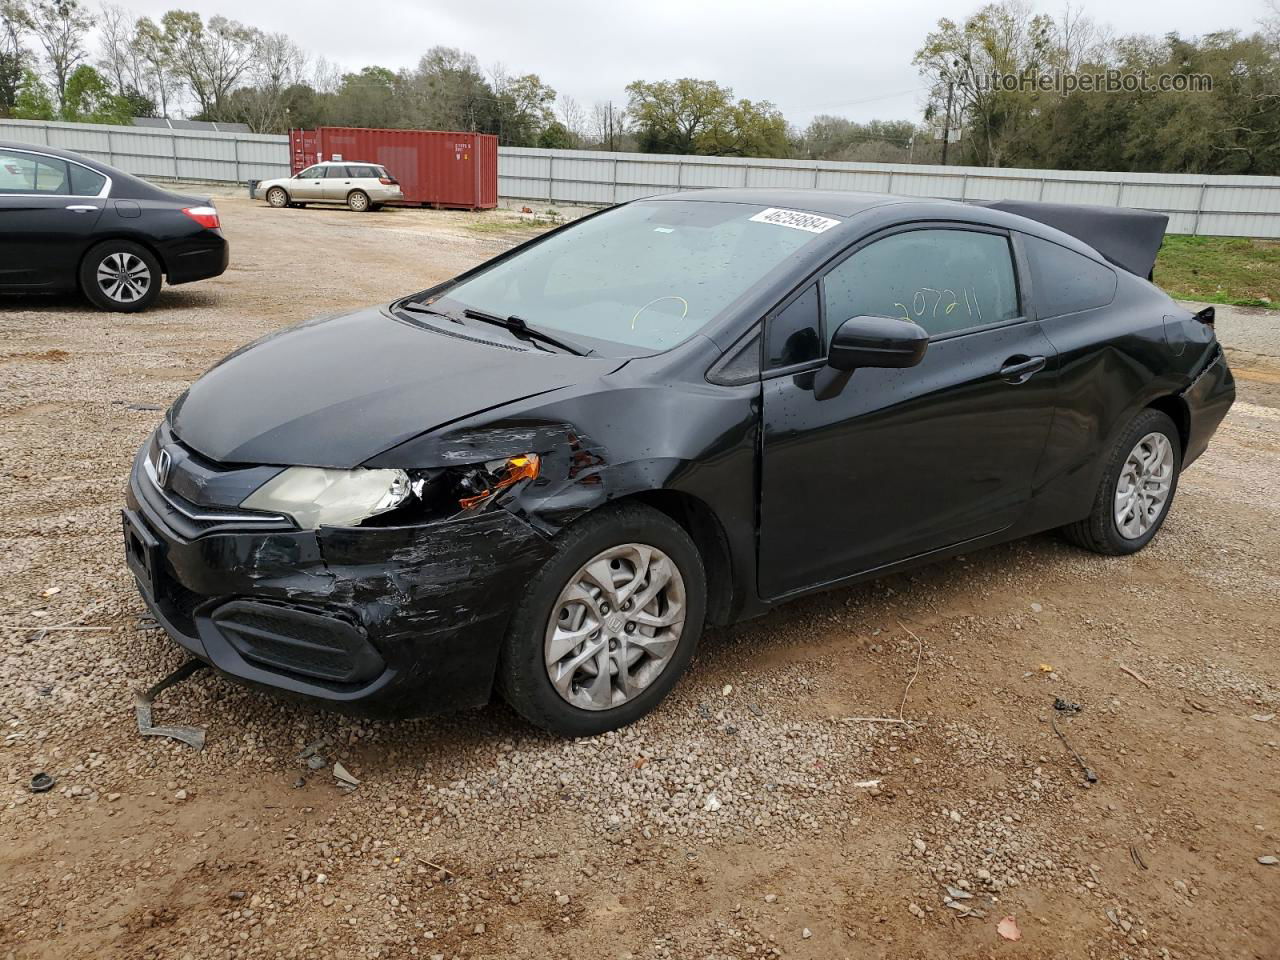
point(120, 276)
point(643, 553)
point(1136, 490)
point(278, 197)
point(358, 201)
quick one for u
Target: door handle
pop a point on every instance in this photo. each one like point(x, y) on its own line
point(1021, 369)
point(82, 207)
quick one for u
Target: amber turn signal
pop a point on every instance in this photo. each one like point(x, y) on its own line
point(524, 467)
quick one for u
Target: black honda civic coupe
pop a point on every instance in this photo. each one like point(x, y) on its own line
point(549, 474)
point(69, 223)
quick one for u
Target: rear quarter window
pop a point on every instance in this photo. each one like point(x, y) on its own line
point(1066, 282)
point(85, 182)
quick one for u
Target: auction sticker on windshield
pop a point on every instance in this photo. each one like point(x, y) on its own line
point(796, 220)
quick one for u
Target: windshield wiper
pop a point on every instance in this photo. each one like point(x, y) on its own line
point(414, 306)
point(520, 328)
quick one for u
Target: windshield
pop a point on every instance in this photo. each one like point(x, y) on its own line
point(649, 274)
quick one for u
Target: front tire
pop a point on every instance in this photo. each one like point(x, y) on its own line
point(358, 201)
point(1136, 490)
point(278, 197)
point(120, 276)
point(607, 626)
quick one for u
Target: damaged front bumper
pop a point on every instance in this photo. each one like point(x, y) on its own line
point(392, 621)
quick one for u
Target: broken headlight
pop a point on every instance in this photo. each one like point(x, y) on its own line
point(317, 497)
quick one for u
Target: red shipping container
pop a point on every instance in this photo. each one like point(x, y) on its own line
point(435, 168)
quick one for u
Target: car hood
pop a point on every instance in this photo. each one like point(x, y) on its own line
point(335, 392)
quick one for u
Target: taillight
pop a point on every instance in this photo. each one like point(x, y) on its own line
point(205, 216)
point(389, 181)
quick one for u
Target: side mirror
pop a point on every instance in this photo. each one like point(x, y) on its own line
point(877, 342)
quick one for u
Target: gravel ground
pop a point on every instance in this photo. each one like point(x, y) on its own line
point(748, 817)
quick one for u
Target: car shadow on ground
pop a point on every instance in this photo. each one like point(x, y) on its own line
point(171, 298)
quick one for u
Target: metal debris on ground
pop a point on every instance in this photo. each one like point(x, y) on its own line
point(755, 710)
point(316, 762)
point(41, 782)
point(1066, 706)
point(1089, 775)
point(341, 774)
point(192, 736)
point(1135, 855)
point(146, 622)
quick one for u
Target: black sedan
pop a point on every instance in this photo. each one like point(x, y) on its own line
point(548, 474)
point(69, 223)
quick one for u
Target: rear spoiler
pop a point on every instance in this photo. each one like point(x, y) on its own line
point(1127, 238)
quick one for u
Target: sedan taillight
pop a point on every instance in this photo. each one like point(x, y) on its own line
point(205, 216)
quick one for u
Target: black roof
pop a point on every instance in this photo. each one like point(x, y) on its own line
point(1122, 236)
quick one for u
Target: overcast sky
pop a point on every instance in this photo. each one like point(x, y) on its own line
point(807, 56)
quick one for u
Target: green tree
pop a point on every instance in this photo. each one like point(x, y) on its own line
point(555, 136)
point(90, 99)
point(959, 60)
point(15, 58)
point(523, 108)
point(366, 99)
point(34, 101)
point(671, 116)
point(691, 116)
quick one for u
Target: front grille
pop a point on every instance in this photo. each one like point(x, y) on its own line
point(190, 520)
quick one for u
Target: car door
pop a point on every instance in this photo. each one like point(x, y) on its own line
point(901, 462)
point(336, 183)
point(309, 184)
point(48, 210)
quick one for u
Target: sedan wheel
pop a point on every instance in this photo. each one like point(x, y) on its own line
point(608, 623)
point(615, 626)
point(1138, 483)
point(358, 201)
point(1145, 482)
point(121, 276)
point(277, 197)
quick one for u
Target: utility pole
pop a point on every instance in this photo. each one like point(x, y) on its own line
point(946, 122)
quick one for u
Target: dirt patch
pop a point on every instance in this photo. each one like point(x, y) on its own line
point(749, 823)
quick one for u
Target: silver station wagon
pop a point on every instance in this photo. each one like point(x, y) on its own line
point(361, 186)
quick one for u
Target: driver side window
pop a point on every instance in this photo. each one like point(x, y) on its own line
point(944, 280)
point(312, 173)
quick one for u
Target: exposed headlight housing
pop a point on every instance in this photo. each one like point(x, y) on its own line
point(317, 497)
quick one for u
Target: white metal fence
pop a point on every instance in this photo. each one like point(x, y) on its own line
point(1195, 203)
point(163, 153)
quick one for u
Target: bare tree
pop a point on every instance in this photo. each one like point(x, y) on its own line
point(210, 59)
point(326, 76)
point(60, 26)
point(115, 30)
point(573, 117)
point(608, 125)
point(278, 64)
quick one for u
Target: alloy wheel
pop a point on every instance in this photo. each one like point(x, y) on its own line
point(615, 626)
point(1143, 488)
point(358, 201)
point(124, 277)
point(277, 197)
